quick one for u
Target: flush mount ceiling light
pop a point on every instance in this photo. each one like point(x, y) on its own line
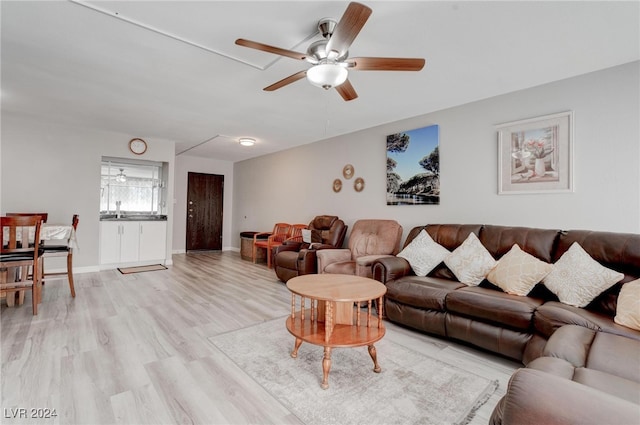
point(327, 74)
point(247, 141)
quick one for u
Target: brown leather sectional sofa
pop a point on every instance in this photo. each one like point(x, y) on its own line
point(584, 377)
point(531, 329)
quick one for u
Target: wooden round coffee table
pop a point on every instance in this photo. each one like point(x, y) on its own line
point(325, 310)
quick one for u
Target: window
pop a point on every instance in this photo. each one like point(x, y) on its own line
point(135, 186)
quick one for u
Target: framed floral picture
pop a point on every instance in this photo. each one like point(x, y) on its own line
point(536, 155)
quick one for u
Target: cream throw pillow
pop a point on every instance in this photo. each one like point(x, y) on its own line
point(628, 310)
point(518, 272)
point(423, 253)
point(577, 279)
point(470, 262)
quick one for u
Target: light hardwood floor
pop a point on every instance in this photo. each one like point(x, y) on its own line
point(133, 349)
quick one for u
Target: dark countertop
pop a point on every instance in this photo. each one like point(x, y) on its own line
point(133, 217)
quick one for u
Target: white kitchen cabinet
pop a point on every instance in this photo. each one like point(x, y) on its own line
point(109, 242)
point(129, 241)
point(153, 240)
point(126, 242)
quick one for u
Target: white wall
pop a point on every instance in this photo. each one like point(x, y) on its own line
point(184, 165)
point(56, 169)
point(63, 176)
point(295, 185)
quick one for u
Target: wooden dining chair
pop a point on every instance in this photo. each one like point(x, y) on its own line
point(17, 256)
point(277, 239)
point(43, 216)
point(280, 233)
point(295, 233)
point(65, 250)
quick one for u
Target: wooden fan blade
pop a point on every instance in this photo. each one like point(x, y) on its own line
point(347, 91)
point(386, 64)
point(270, 49)
point(285, 81)
point(348, 28)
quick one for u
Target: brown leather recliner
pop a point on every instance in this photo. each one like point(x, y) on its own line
point(370, 240)
point(298, 258)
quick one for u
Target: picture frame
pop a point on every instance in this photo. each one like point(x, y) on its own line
point(413, 167)
point(535, 155)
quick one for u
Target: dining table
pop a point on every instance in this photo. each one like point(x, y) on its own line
point(48, 232)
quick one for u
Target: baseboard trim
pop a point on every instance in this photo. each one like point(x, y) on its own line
point(224, 248)
point(76, 270)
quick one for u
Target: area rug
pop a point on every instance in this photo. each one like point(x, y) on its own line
point(139, 269)
point(412, 388)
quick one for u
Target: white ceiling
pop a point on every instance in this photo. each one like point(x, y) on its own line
point(171, 70)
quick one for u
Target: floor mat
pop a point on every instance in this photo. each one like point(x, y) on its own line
point(138, 269)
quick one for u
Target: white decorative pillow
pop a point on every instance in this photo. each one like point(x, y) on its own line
point(423, 253)
point(628, 310)
point(518, 272)
point(577, 279)
point(470, 262)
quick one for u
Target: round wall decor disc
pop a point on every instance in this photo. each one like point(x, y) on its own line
point(337, 185)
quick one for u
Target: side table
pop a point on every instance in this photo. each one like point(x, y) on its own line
point(246, 248)
point(333, 317)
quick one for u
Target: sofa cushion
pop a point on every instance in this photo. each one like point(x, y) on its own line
point(628, 310)
point(364, 264)
point(552, 315)
point(311, 236)
point(424, 292)
point(615, 355)
point(450, 236)
point(323, 221)
point(627, 389)
point(341, 267)
point(491, 306)
point(616, 251)
point(554, 365)
point(577, 279)
point(536, 397)
point(423, 254)
point(611, 384)
point(600, 360)
point(288, 259)
point(571, 343)
point(429, 321)
point(538, 242)
point(517, 272)
point(470, 262)
point(492, 337)
point(375, 236)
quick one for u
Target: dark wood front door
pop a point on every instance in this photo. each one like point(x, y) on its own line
point(204, 211)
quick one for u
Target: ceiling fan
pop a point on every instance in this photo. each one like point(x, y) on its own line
point(330, 57)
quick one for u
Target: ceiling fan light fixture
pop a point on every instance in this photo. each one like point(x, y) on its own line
point(122, 177)
point(247, 141)
point(327, 75)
